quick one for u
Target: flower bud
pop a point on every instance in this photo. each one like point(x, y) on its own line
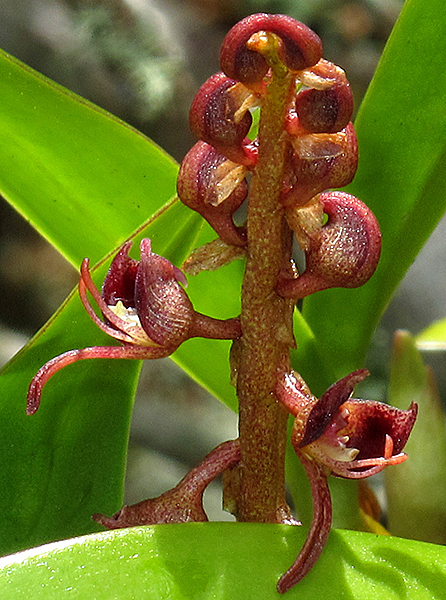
point(317, 162)
point(342, 253)
point(299, 48)
point(215, 187)
point(328, 106)
point(219, 115)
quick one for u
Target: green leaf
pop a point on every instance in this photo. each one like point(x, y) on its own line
point(416, 490)
point(226, 561)
point(97, 177)
point(433, 337)
point(401, 128)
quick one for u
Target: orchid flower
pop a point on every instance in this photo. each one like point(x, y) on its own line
point(144, 306)
point(341, 436)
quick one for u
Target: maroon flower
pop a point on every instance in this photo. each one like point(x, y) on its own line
point(299, 48)
point(145, 307)
point(220, 115)
point(342, 253)
point(337, 435)
point(215, 187)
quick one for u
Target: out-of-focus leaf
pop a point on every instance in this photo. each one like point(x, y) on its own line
point(401, 128)
point(228, 561)
point(433, 337)
point(67, 461)
point(416, 490)
point(60, 155)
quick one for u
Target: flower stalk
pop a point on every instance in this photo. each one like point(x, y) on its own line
point(265, 317)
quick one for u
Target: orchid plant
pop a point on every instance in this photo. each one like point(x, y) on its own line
point(305, 143)
point(264, 192)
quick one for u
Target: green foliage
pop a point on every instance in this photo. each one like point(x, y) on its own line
point(97, 178)
point(228, 561)
point(419, 512)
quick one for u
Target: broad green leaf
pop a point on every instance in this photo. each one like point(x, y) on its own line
point(416, 490)
point(433, 337)
point(401, 128)
point(67, 461)
point(98, 178)
point(225, 561)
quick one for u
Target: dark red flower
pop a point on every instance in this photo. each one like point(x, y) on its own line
point(344, 252)
point(145, 307)
point(337, 435)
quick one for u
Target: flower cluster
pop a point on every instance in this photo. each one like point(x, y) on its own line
point(322, 153)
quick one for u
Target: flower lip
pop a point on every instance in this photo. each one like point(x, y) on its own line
point(368, 423)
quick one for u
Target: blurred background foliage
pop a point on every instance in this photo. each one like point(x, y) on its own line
point(143, 60)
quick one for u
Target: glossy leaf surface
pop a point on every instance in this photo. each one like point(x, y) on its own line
point(97, 177)
point(235, 561)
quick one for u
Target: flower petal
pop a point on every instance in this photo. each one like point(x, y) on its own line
point(119, 283)
point(323, 411)
point(163, 307)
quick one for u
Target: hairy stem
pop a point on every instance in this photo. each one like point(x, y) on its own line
point(265, 318)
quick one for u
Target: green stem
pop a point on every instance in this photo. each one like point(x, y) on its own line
point(266, 320)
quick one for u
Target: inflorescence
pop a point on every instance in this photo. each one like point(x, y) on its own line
point(145, 307)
